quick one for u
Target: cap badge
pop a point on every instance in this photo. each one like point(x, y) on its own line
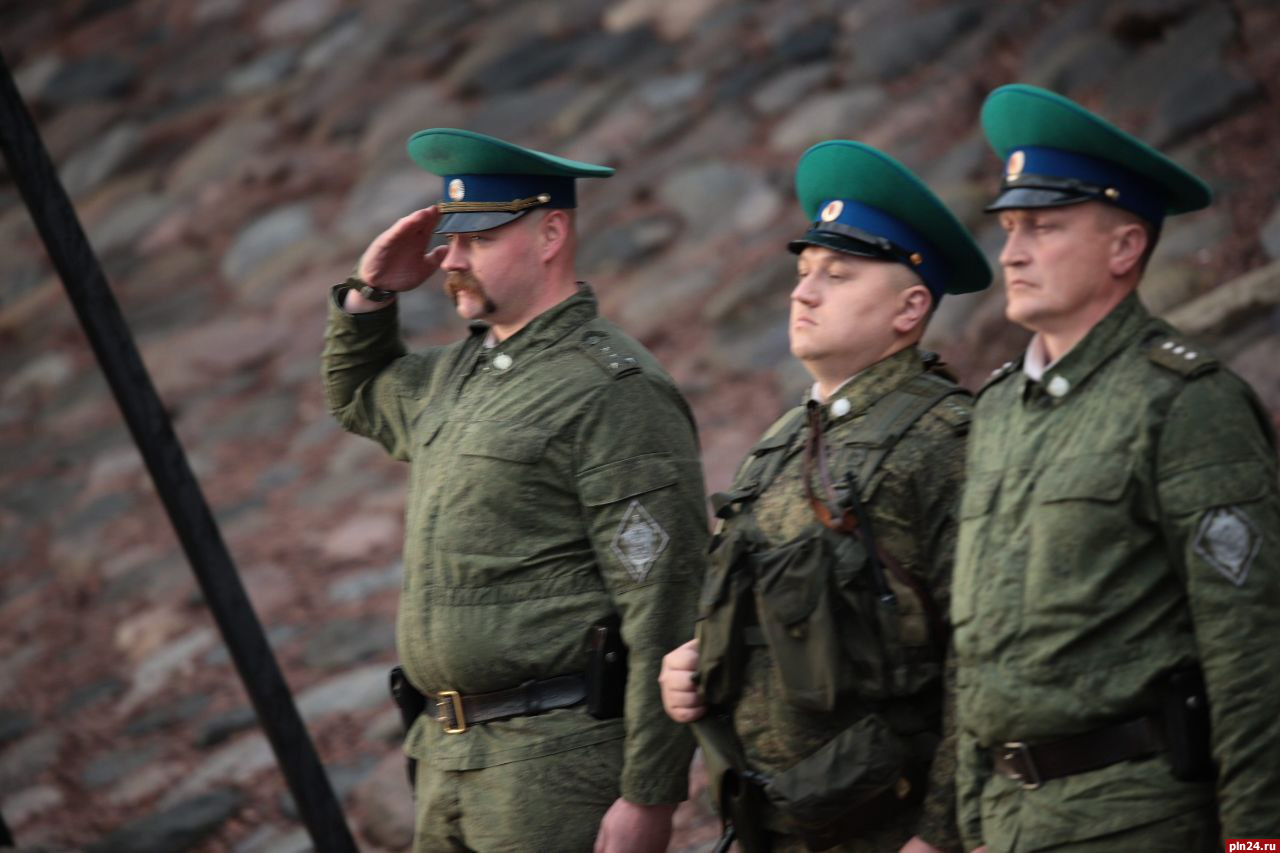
point(457, 189)
point(1017, 160)
point(832, 211)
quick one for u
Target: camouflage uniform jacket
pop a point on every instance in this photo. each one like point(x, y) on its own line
point(1120, 520)
point(554, 479)
point(911, 502)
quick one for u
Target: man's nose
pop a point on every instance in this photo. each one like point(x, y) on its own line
point(1014, 252)
point(455, 259)
point(805, 292)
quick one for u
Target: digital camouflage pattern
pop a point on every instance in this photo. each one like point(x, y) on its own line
point(509, 807)
point(1120, 519)
point(911, 503)
point(554, 480)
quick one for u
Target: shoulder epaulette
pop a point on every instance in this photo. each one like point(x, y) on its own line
point(999, 374)
point(954, 410)
point(604, 353)
point(1172, 352)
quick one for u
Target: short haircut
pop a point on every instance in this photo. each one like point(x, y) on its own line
point(1111, 216)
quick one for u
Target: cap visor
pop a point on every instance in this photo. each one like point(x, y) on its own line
point(836, 243)
point(1023, 197)
point(463, 223)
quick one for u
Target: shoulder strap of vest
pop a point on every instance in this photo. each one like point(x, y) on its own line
point(895, 413)
point(889, 420)
point(760, 468)
point(788, 427)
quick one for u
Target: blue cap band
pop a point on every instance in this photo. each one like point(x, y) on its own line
point(509, 188)
point(1100, 179)
point(931, 268)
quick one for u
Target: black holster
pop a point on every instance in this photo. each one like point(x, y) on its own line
point(738, 797)
point(606, 669)
point(1186, 726)
point(411, 704)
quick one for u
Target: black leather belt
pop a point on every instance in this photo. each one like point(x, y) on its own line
point(1035, 764)
point(457, 712)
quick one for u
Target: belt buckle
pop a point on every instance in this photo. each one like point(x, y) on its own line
point(445, 699)
point(1013, 750)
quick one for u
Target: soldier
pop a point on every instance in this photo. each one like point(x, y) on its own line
point(1118, 538)
point(554, 486)
point(816, 674)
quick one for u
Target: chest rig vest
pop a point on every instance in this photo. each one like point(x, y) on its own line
point(840, 617)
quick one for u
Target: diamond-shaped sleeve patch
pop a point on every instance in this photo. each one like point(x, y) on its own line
point(1228, 541)
point(639, 541)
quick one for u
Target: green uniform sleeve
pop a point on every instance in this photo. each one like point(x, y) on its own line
point(937, 486)
point(1216, 482)
point(640, 486)
point(364, 363)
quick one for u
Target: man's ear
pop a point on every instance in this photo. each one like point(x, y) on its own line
point(1128, 243)
point(553, 234)
point(913, 309)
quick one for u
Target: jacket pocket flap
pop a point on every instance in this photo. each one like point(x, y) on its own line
point(512, 444)
point(1098, 478)
point(626, 478)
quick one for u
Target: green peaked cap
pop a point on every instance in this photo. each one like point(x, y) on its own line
point(849, 188)
point(489, 182)
point(1056, 130)
point(449, 151)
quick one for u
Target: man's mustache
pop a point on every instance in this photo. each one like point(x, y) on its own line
point(460, 281)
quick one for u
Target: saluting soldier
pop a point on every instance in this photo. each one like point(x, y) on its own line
point(554, 486)
point(1117, 583)
point(817, 674)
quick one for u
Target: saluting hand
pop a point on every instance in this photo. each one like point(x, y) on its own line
point(680, 697)
point(397, 258)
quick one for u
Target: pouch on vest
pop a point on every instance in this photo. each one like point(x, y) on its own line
point(822, 649)
point(819, 798)
point(724, 608)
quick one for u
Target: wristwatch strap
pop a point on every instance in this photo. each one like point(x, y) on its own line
point(368, 291)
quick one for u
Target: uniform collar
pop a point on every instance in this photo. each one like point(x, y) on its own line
point(865, 388)
point(1104, 340)
point(548, 327)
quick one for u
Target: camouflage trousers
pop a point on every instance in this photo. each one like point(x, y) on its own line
point(552, 802)
point(1191, 832)
point(884, 839)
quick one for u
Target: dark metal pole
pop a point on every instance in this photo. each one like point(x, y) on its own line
point(73, 258)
